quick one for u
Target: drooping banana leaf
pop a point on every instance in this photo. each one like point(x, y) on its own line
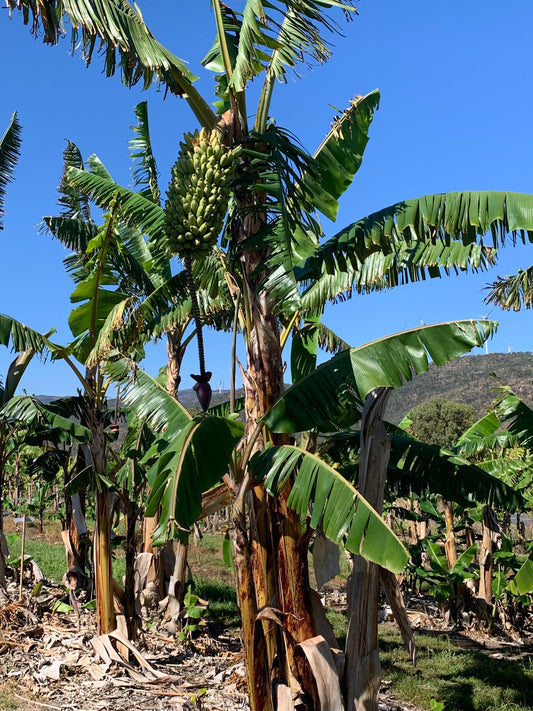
point(73, 232)
point(304, 348)
point(466, 216)
point(336, 504)
point(31, 411)
point(21, 336)
point(340, 155)
point(151, 401)
point(330, 341)
point(48, 464)
point(463, 218)
point(15, 372)
point(516, 416)
point(417, 469)
point(135, 209)
point(407, 263)
point(191, 463)
point(484, 440)
point(513, 291)
point(331, 397)
point(121, 30)
point(9, 155)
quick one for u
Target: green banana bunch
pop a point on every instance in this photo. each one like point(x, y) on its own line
point(198, 193)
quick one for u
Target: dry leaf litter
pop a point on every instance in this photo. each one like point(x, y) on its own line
point(56, 660)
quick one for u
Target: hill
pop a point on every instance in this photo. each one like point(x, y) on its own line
point(471, 379)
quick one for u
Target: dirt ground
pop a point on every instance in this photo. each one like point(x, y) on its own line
point(55, 660)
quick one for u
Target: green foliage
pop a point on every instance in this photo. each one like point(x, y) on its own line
point(453, 221)
point(9, 155)
point(190, 462)
point(513, 292)
point(437, 705)
point(192, 613)
point(417, 469)
point(334, 392)
point(122, 31)
point(340, 509)
point(441, 421)
point(439, 579)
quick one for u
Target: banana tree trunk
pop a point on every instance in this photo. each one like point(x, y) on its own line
point(4, 554)
point(131, 510)
point(271, 567)
point(450, 545)
point(253, 641)
point(3, 460)
point(456, 602)
point(178, 580)
point(75, 525)
point(103, 575)
point(418, 529)
point(363, 668)
point(491, 532)
point(175, 352)
point(105, 614)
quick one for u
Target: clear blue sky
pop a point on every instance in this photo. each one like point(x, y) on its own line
point(455, 115)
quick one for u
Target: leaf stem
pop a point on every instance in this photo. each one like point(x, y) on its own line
point(187, 261)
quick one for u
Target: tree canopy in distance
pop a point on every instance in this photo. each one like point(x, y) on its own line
point(440, 421)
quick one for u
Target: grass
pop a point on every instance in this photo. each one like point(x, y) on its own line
point(51, 557)
point(9, 701)
point(223, 609)
point(463, 679)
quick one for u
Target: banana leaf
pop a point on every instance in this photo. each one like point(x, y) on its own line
point(191, 463)
point(522, 583)
point(341, 511)
point(29, 410)
point(331, 397)
point(9, 155)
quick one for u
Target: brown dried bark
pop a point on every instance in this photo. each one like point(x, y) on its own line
point(362, 656)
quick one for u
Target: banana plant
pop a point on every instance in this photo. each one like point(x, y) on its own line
point(383, 250)
point(441, 577)
point(186, 466)
point(97, 294)
point(274, 245)
point(156, 303)
point(27, 343)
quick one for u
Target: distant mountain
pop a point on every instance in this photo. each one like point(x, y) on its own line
point(187, 398)
point(470, 379)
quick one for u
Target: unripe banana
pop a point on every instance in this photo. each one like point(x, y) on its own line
point(198, 194)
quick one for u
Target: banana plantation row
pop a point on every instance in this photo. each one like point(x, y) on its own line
point(238, 246)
